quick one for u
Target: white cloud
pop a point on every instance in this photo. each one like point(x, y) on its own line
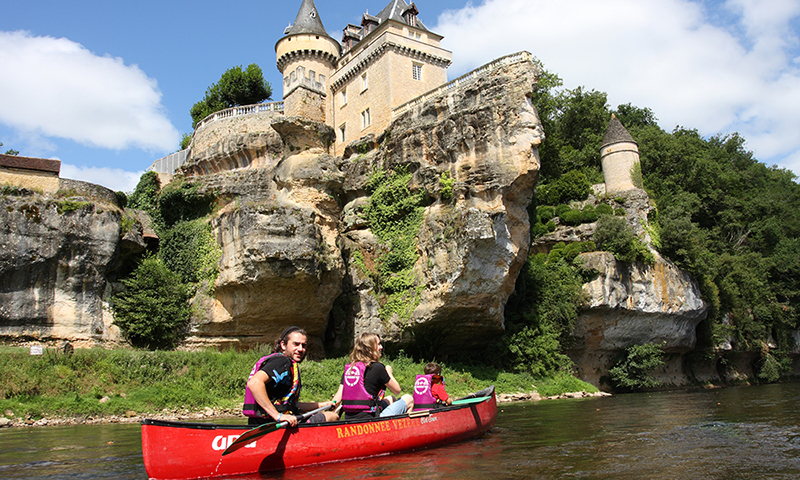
point(667, 55)
point(114, 178)
point(54, 87)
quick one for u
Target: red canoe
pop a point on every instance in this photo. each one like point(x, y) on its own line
point(180, 450)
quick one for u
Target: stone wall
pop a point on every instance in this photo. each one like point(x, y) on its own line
point(41, 181)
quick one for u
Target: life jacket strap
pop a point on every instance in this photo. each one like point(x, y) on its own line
point(369, 403)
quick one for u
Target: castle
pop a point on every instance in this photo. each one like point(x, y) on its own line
point(382, 68)
point(386, 61)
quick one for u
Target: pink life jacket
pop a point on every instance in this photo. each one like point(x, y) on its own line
point(423, 393)
point(355, 398)
point(251, 408)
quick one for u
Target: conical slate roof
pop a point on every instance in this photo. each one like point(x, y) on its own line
point(307, 21)
point(616, 133)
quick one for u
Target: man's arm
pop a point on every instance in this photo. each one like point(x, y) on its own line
point(258, 386)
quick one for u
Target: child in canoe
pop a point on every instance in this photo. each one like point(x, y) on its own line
point(429, 391)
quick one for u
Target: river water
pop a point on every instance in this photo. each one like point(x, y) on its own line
point(732, 433)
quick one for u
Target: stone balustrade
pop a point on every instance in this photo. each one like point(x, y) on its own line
point(241, 110)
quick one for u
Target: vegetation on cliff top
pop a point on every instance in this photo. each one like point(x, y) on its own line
point(235, 87)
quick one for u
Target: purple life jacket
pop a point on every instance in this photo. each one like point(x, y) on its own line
point(355, 398)
point(251, 408)
point(423, 393)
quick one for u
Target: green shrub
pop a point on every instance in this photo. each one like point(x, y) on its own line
point(153, 312)
point(447, 185)
point(122, 199)
point(551, 226)
point(619, 212)
point(614, 235)
point(181, 200)
point(537, 230)
point(604, 209)
point(541, 313)
point(573, 185)
point(145, 196)
point(633, 372)
point(190, 250)
point(69, 206)
point(571, 217)
point(561, 208)
point(574, 249)
point(545, 213)
point(773, 367)
point(588, 214)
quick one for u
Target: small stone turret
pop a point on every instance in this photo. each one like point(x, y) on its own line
point(619, 154)
point(306, 56)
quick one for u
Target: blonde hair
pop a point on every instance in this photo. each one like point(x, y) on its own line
point(366, 349)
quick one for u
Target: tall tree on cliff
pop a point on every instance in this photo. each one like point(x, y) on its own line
point(235, 87)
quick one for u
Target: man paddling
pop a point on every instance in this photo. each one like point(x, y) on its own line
point(274, 385)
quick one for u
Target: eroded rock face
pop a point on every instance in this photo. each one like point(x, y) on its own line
point(55, 260)
point(634, 304)
point(485, 136)
point(288, 239)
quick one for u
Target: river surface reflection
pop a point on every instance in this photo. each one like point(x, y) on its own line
point(733, 433)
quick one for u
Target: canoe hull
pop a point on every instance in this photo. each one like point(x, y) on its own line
point(176, 450)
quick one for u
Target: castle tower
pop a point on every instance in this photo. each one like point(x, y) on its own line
point(306, 57)
point(387, 60)
point(619, 155)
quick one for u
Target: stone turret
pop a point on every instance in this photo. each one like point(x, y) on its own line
point(306, 56)
point(619, 154)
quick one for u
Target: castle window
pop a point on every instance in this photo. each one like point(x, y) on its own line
point(416, 71)
point(342, 130)
point(344, 97)
point(365, 119)
point(364, 82)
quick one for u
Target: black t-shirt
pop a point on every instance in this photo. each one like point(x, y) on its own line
point(279, 370)
point(375, 379)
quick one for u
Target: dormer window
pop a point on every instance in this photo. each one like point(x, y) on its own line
point(410, 15)
point(368, 23)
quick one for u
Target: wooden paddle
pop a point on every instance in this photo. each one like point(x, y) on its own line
point(261, 430)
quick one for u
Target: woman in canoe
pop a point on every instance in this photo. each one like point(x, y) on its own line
point(366, 379)
point(273, 388)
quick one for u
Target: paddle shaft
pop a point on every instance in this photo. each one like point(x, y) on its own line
point(261, 430)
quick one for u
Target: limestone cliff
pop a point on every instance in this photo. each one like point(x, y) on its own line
point(57, 254)
point(297, 247)
point(292, 224)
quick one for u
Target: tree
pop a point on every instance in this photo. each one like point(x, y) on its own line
point(153, 312)
point(235, 87)
point(10, 151)
point(633, 372)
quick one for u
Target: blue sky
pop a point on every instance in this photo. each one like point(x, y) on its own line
point(106, 87)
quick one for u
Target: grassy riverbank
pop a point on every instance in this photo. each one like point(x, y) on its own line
point(98, 382)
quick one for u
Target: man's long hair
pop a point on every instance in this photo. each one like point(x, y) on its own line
point(366, 349)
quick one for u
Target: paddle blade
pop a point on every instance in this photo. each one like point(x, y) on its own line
point(465, 401)
point(486, 392)
point(251, 435)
